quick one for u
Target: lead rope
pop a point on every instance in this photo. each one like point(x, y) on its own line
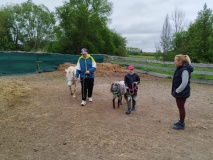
point(134, 88)
point(83, 85)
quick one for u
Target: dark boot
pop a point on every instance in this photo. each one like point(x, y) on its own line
point(128, 111)
point(133, 108)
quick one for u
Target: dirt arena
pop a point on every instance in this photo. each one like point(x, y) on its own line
point(39, 120)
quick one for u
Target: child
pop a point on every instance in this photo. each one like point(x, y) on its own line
point(181, 86)
point(131, 81)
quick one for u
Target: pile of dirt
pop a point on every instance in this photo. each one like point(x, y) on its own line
point(103, 69)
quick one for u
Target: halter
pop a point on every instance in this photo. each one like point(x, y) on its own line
point(72, 81)
point(116, 93)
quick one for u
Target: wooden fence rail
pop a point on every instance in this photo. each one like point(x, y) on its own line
point(113, 58)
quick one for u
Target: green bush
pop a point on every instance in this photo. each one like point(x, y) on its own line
point(169, 56)
point(121, 51)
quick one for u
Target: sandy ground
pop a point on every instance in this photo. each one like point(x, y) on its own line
point(44, 122)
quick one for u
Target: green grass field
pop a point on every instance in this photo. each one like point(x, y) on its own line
point(160, 70)
point(141, 56)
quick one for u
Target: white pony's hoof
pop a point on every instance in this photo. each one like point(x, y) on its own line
point(74, 96)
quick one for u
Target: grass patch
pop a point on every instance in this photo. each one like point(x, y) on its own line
point(202, 76)
point(171, 66)
point(196, 76)
point(143, 56)
point(155, 70)
point(146, 63)
point(170, 73)
point(203, 69)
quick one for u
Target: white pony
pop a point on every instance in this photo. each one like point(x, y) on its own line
point(70, 75)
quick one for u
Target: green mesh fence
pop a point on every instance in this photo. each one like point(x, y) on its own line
point(23, 63)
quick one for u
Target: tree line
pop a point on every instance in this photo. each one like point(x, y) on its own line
point(83, 23)
point(196, 40)
point(75, 24)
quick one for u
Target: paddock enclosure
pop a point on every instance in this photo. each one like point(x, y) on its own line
point(40, 120)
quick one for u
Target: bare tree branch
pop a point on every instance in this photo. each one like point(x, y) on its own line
point(178, 18)
point(165, 39)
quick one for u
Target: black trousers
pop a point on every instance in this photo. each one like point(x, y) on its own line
point(86, 87)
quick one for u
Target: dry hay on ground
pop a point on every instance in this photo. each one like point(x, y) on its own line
point(64, 66)
point(108, 69)
point(103, 69)
point(11, 91)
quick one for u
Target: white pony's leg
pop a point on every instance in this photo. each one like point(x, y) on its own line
point(74, 82)
point(70, 87)
point(74, 89)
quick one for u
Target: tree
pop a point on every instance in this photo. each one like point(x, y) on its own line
point(83, 23)
point(180, 42)
point(6, 42)
point(201, 37)
point(120, 44)
point(16, 26)
point(165, 39)
point(178, 20)
point(31, 26)
point(37, 25)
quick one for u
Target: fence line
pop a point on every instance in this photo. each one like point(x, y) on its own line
point(162, 68)
point(155, 61)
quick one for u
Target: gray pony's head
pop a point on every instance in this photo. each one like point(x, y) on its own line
point(115, 88)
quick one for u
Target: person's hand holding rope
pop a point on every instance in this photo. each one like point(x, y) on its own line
point(135, 83)
point(87, 72)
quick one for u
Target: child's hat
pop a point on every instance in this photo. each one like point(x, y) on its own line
point(130, 67)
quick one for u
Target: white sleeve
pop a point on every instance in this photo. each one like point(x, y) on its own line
point(185, 79)
point(78, 67)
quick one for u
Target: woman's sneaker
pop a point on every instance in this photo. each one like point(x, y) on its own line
point(179, 125)
point(90, 99)
point(83, 103)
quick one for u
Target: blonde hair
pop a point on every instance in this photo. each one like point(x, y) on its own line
point(183, 58)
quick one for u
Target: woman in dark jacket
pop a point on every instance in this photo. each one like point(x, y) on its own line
point(181, 86)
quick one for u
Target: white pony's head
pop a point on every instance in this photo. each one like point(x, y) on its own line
point(70, 75)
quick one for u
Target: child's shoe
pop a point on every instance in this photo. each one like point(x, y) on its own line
point(128, 111)
point(133, 108)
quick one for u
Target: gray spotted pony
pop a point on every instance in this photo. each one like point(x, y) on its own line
point(118, 90)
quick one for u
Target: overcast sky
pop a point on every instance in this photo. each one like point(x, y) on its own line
point(140, 21)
